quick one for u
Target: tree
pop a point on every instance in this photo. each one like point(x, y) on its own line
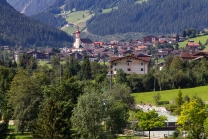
point(27, 62)
point(150, 119)
point(157, 98)
point(176, 63)
point(191, 118)
point(118, 115)
point(178, 102)
point(177, 38)
point(53, 121)
point(88, 115)
point(120, 76)
point(123, 93)
point(85, 72)
point(25, 96)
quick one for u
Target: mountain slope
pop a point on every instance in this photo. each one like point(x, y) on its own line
point(18, 30)
point(154, 16)
point(30, 7)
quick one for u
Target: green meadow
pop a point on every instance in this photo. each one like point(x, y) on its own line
point(78, 18)
point(202, 39)
point(170, 95)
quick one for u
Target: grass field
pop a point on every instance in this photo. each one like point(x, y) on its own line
point(202, 39)
point(169, 95)
point(78, 18)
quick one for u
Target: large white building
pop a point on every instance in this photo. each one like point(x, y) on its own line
point(131, 64)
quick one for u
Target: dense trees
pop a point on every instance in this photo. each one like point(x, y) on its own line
point(152, 17)
point(19, 30)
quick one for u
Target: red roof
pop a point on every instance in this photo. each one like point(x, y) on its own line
point(192, 44)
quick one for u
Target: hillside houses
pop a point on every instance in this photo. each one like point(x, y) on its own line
point(142, 51)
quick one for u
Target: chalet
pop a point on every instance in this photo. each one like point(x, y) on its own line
point(193, 56)
point(149, 39)
point(162, 54)
point(138, 64)
point(192, 47)
point(38, 55)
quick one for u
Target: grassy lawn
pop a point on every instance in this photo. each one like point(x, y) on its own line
point(169, 95)
point(202, 39)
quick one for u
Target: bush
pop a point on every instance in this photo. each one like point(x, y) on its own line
point(163, 102)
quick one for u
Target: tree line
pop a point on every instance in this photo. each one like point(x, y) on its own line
point(51, 101)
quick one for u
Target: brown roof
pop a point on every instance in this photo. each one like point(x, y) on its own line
point(85, 40)
point(142, 57)
point(193, 55)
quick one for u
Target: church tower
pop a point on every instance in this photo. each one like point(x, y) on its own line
point(77, 39)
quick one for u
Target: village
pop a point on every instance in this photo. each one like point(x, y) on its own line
point(134, 56)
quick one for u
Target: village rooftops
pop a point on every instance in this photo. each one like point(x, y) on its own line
point(142, 57)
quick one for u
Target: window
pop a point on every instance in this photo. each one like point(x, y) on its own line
point(142, 64)
point(128, 64)
point(129, 69)
point(115, 69)
point(115, 64)
point(142, 69)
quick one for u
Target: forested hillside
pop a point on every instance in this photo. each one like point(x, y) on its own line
point(95, 4)
point(30, 7)
point(154, 16)
point(18, 30)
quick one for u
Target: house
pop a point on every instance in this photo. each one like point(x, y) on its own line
point(192, 47)
point(162, 54)
point(138, 64)
point(193, 56)
point(38, 55)
point(149, 39)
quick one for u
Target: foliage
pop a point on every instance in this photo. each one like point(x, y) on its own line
point(85, 72)
point(149, 120)
point(157, 98)
point(122, 93)
point(169, 21)
point(87, 120)
point(25, 96)
point(120, 76)
point(54, 119)
point(118, 116)
point(191, 118)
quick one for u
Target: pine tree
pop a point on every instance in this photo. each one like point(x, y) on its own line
point(85, 73)
point(53, 121)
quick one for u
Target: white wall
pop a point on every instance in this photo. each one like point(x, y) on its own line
point(135, 66)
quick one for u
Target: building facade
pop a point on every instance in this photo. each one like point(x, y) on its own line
point(131, 64)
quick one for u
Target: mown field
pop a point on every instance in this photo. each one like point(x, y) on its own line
point(170, 95)
point(78, 18)
point(202, 39)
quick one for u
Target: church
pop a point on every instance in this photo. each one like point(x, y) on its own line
point(81, 44)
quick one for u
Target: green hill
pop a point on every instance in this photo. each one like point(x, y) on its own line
point(170, 95)
point(202, 39)
point(18, 30)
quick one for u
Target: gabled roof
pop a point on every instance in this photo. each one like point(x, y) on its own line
point(193, 55)
point(192, 44)
point(86, 40)
point(139, 57)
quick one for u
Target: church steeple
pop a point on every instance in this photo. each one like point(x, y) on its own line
point(77, 39)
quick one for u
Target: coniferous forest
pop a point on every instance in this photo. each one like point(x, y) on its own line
point(154, 16)
point(19, 30)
